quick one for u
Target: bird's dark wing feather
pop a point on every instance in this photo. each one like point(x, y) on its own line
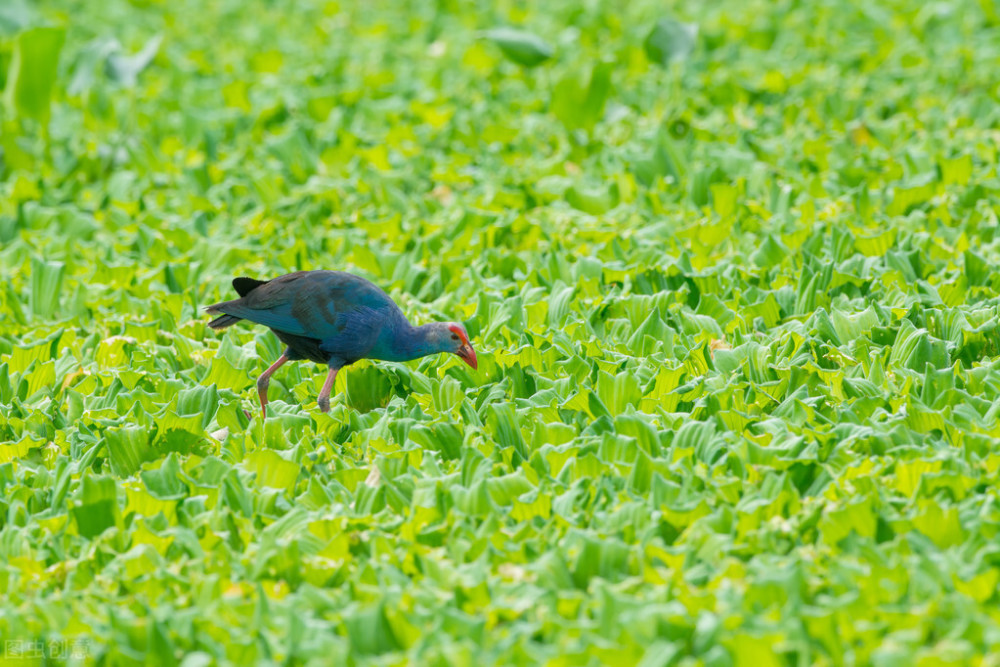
point(300, 347)
point(244, 286)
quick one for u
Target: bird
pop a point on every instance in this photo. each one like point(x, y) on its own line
point(334, 318)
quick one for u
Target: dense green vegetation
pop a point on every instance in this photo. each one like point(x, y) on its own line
point(729, 269)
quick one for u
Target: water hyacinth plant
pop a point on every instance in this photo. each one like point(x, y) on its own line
point(729, 270)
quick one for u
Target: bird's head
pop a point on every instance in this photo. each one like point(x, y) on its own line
point(452, 337)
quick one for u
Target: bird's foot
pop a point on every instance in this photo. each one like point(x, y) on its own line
point(248, 414)
point(324, 404)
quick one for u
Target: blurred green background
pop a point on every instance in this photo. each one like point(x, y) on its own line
point(729, 268)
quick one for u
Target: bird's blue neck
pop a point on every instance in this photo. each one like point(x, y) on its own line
point(405, 343)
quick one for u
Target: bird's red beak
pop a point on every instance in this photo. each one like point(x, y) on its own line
point(468, 355)
point(465, 352)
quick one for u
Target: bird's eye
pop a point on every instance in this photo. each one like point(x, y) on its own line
point(454, 337)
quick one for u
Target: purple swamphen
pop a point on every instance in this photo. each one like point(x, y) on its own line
point(334, 318)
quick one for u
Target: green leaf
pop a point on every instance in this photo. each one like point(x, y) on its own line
point(201, 401)
point(724, 198)
point(271, 469)
point(15, 15)
point(33, 70)
point(594, 200)
point(128, 448)
point(579, 98)
point(915, 348)
point(670, 41)
point(367, 388)
point(370, 632)
point(666, 159)
point(445, 438)
point(84, 70)
point(875, 245)
point(126, 69)
point(850, 327)
point(97, 505)
point(767, 309)
point(642, 474)
point(660, 653)
point(617, 392)
point(508, 488)
point(941, 524)
point(474, 501)
point(956, 171)
point(520, 46)
point(906, 198)
point(770, 253)
point(605, 558)
point(977, 271)
point(165, 482)
point(560, 302)
point(507, 431)
point(46, 287)
point(25, 354)
point(857, 517)
point(228, 368)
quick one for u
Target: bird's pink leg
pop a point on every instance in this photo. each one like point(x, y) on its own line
point(265, 379)
point(324, 394)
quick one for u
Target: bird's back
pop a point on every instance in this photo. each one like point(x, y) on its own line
point(326, 313)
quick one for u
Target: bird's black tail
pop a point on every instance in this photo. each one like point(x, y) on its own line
point(243, 286)
point(224, 321)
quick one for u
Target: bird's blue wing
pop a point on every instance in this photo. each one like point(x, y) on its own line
point(279, 317)
point(315, 304)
